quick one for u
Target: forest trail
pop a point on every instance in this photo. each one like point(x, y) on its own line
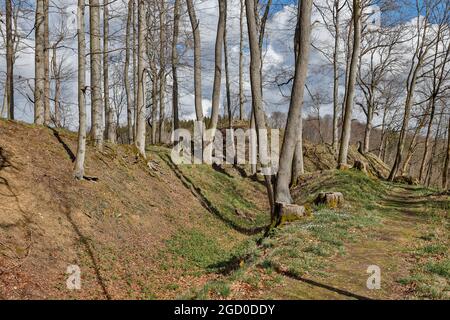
point(408, 244)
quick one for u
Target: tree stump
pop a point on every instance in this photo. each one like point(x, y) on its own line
point(343, 166)
point(330, 199)
point(360, 165)
point(290, 212)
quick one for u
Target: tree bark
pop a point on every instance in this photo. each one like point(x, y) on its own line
point(81, 148)
point(255, 81)
point(39, 82)
point(9, 88)
point(445, 184)
point(227, 73)
point(218, 68)
point(57, 95)
point(47, 114)
point(197, 60)
point(282, 193)
point(336, 76)
point(241, 61)
point(350, 91)
point(162, 70)
point(96, 67)
point(176, 26)
point(140, 130)
point(130, 106)
point(109, 112)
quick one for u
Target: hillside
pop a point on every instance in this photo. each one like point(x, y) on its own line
point(195, 231)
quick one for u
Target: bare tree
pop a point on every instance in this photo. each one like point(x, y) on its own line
point(9, 88)
point(130, 106)
point(47, 112)
point(96, 67)
point(81, 149)
point(350, 90)
point(162, 68)
point(39, 82)
point(176, 27)
point(255, 81)
point(217, 68)
point(241, 61)
point(140, 105)
point(445, 169)
point(303, 38)
point(109, 113)
point(423, 46)
point(195, 23)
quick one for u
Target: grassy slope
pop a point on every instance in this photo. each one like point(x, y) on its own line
point(135, 233)
point(193, 231)
point(403, 230)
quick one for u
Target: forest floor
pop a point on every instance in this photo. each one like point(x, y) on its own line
point(197, 231)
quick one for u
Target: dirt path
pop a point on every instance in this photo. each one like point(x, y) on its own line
point(403, 219)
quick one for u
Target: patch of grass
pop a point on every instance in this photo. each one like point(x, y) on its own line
point(441, 268)
point(197, 250)
point(303, 247)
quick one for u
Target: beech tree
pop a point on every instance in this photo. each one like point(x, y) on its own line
point(96, 72)
point(39, 62)
point(350, 88)
point(81, 148)
point(140, 104)
point(282, 193)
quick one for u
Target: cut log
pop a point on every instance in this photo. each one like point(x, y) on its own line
point(343, 166)
point(330, 199)
point(291, 212)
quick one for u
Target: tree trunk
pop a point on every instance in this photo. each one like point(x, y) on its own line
point(413, 144)
point(140, 130)
point(350, 91)
point(57, 77)
point(241, 61)
point(227, 73)
point(218, 68)
point(135, 72)
point(130, 106)
point(445, 184)
point(368, 129)
point(154, 105)
point(336, 77)
point(39, 82)
point(96, 67)
point(197, 60)
point(282, 193)
point(81, 149)
point(255, 81)
point(176, 26)
point(162, 71)
point(429, 174)
point(9, 88)
point(47, 114)
point(109, 112)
